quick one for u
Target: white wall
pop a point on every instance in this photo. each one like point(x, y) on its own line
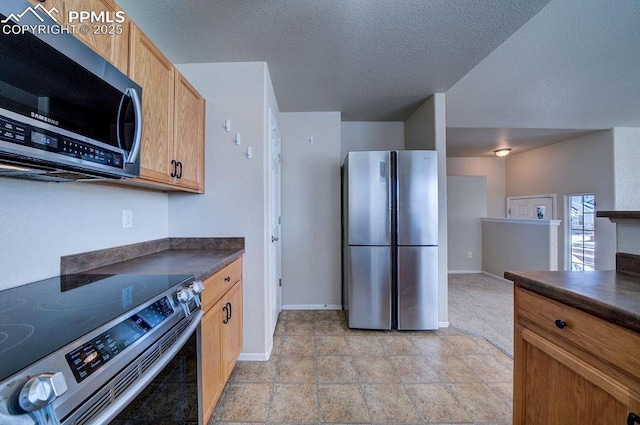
point(494, 170)
point(419, 127)
point(516, 244)
point(371, 136)
point(236, 198)
point(466, 204)
point(40, 222)
point(626, 145)
point(311, 210)
point(426, 129)
point(581, 165)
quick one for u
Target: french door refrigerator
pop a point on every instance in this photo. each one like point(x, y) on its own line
point(390, 239)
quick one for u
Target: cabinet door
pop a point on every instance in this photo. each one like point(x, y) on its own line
point(153, 71)
point(189, 135)
point(231, 305)
point(109, 40)
point(211, 357)
point(559, 388)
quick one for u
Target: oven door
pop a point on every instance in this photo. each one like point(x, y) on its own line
point(168, 393)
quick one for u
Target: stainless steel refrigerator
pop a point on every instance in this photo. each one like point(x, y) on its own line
point(390, 239)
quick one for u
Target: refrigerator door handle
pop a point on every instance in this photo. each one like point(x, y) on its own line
point(383, 171)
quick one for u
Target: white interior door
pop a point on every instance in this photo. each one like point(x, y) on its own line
point(275, 220)
point(526, 207)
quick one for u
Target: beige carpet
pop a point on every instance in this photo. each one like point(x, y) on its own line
point(482, 306)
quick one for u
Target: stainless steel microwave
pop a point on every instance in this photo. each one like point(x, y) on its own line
point(65, 112)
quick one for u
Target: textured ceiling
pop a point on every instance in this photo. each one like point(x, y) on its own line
point(573, 66)
point(522, 73)
point(373, 60)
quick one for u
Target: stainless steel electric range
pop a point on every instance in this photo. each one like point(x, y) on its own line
point(77, 349)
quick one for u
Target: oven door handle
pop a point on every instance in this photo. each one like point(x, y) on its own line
point(132, 392)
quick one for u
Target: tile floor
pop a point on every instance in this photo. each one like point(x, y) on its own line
point(321, 372)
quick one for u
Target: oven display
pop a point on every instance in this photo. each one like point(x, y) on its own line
point(89, 357)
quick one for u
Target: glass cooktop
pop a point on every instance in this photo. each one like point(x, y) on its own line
point(39, 318)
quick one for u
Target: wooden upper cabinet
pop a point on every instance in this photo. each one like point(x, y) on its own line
point(172, 147)
point(189, 135)
point(109, 40)
point(155, 73)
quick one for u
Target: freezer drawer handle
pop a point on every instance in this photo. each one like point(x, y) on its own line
point(633, 419)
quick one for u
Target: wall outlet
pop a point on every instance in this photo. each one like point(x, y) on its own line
point(127, 219)
point(469, 254)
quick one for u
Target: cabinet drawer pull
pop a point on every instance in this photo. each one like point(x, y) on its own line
point(227, 279)
point(632, 419)
point(561, 324)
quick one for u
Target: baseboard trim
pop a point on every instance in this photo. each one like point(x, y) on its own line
point(495, 276)
point(256, 357)
point(464, 271)
point(443, 324)
point(312, 307)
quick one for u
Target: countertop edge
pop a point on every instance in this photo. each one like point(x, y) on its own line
point(87, 261)
point(579, 301)
point(219, 266)
point(620, 214)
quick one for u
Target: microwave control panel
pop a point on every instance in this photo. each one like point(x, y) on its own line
point(26, 135)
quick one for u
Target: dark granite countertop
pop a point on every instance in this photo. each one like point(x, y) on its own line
point(201, 263)
point(613, 215)
point(611, 295)
point(200, 257)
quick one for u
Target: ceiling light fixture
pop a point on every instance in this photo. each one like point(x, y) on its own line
point(502, 152)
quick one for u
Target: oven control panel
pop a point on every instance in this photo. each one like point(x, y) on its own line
point(91, 356)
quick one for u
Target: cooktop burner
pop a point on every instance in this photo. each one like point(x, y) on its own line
point(13, 335)
point(39, 318)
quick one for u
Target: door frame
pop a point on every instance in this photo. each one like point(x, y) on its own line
point(275, 220)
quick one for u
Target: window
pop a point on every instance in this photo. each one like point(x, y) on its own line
point(582, 230)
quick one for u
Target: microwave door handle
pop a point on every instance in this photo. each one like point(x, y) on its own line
point(137, 137)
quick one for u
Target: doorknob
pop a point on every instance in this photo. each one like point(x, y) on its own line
point(274, 239)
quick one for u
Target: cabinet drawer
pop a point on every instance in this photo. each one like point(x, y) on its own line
point(220, 282)
point(608, 342)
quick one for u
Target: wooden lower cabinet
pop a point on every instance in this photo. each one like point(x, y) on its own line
point(557, 382)
point(231, 319)
point(211, 359)
point(220, 335)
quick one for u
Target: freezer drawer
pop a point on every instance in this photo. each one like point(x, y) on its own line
point(369, 287)
point(417, 277)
